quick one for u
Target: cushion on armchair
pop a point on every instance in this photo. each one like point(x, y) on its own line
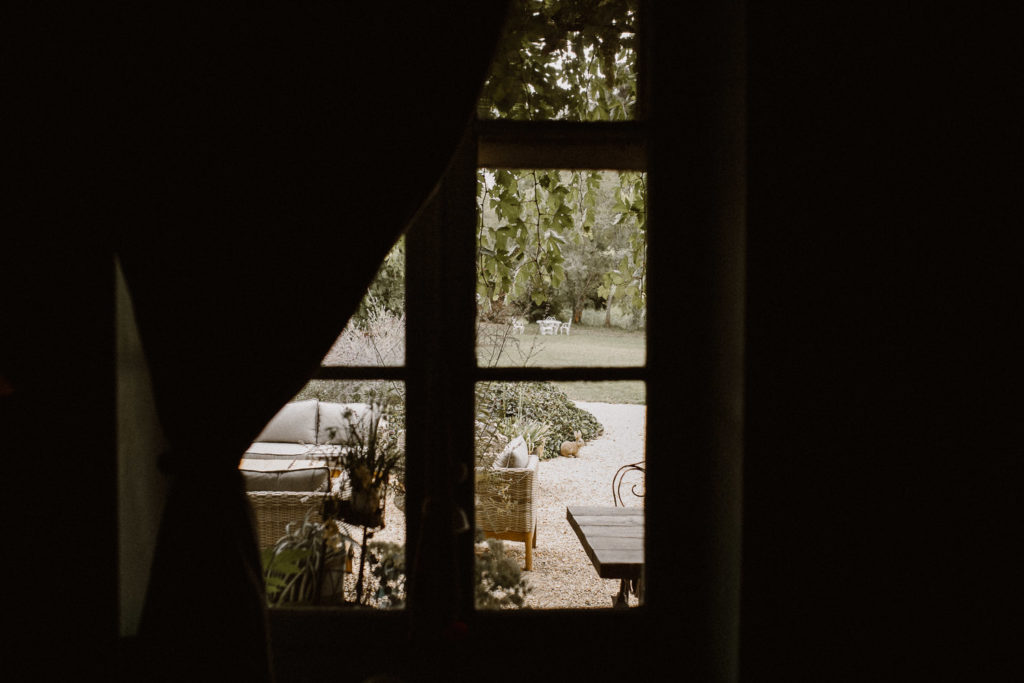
point(514, 455)
point(305, 479)
point(294, 423)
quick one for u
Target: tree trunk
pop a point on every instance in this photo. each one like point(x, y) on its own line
point(608, 308)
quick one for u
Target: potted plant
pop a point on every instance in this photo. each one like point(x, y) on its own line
point(534, 432)
point(308, 564)
point(366, 462)
point(373, 449)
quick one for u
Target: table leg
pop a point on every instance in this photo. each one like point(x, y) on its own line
point(622, 599)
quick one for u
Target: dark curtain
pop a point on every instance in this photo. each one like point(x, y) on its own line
point(266, 158)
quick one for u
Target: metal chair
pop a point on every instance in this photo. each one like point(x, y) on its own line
point(619, 479)
point(627, 586)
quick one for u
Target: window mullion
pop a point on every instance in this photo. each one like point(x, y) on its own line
point(440, 320)
point(562, 144)
point(459, 314)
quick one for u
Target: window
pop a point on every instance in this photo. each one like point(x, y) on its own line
point(692, 158)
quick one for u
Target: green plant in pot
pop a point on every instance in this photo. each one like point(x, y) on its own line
point(308, 564)
point(372, 451)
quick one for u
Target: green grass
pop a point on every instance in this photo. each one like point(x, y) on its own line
point(584, 346)
point(605, 392)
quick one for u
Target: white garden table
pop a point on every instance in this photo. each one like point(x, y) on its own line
point(549, 325)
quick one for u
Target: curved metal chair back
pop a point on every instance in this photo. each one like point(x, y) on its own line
point(619, 480)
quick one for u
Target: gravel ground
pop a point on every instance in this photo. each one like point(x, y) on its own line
point(562, 574)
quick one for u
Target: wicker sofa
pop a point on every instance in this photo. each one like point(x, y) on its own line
point(301, 426)
point(285, 487)
point(506, 493)
point(278, 498)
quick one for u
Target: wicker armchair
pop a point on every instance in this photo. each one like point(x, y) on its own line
point(505, 501)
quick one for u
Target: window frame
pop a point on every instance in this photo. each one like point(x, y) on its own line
point(693, 106)
point(441, 348)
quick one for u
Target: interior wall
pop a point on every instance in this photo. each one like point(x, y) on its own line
point(141, 487)
point(883, 270)
point(57, 440)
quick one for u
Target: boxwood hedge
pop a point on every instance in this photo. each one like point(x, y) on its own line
point(540, 401)
point(498, 403)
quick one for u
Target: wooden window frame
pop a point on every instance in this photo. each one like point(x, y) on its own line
point(691, 129)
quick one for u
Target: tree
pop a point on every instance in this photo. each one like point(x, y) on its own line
point(536, 228)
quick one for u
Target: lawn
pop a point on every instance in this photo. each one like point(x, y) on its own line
point(584, 346)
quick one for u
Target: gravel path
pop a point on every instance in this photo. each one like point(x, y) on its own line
point(562, 574)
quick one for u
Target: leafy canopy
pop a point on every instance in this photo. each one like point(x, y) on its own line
point(562, 60)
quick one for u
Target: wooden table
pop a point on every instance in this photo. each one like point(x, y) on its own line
point(613, 538)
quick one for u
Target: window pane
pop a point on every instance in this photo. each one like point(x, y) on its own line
point(544, 451)
point(375, 334)
point(562, 60)
point(326, 482)
point(561, 268)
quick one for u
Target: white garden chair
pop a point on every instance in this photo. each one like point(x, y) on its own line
point(518, 326)
point(564, 327)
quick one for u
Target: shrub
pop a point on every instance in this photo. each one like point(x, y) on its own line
point(375, 339)
point(506, 403)
point(631, 320)
point(499, 581)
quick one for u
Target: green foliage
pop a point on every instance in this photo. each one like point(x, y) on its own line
point(499, 581)
point(508, 402)
point(538, 230)
point(294, 568)
point(564, 59)
point(387, 567)
point(553, 239)
point(534, 432)
point(616, 318)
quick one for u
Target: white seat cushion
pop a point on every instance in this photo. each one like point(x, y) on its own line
point(264, 449)
point(306, 479)
point(514, 455)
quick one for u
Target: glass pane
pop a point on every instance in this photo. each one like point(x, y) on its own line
point(564, 60)
point(326, 482)
point(561, 268)
point(546, 452)
point(375, 334)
